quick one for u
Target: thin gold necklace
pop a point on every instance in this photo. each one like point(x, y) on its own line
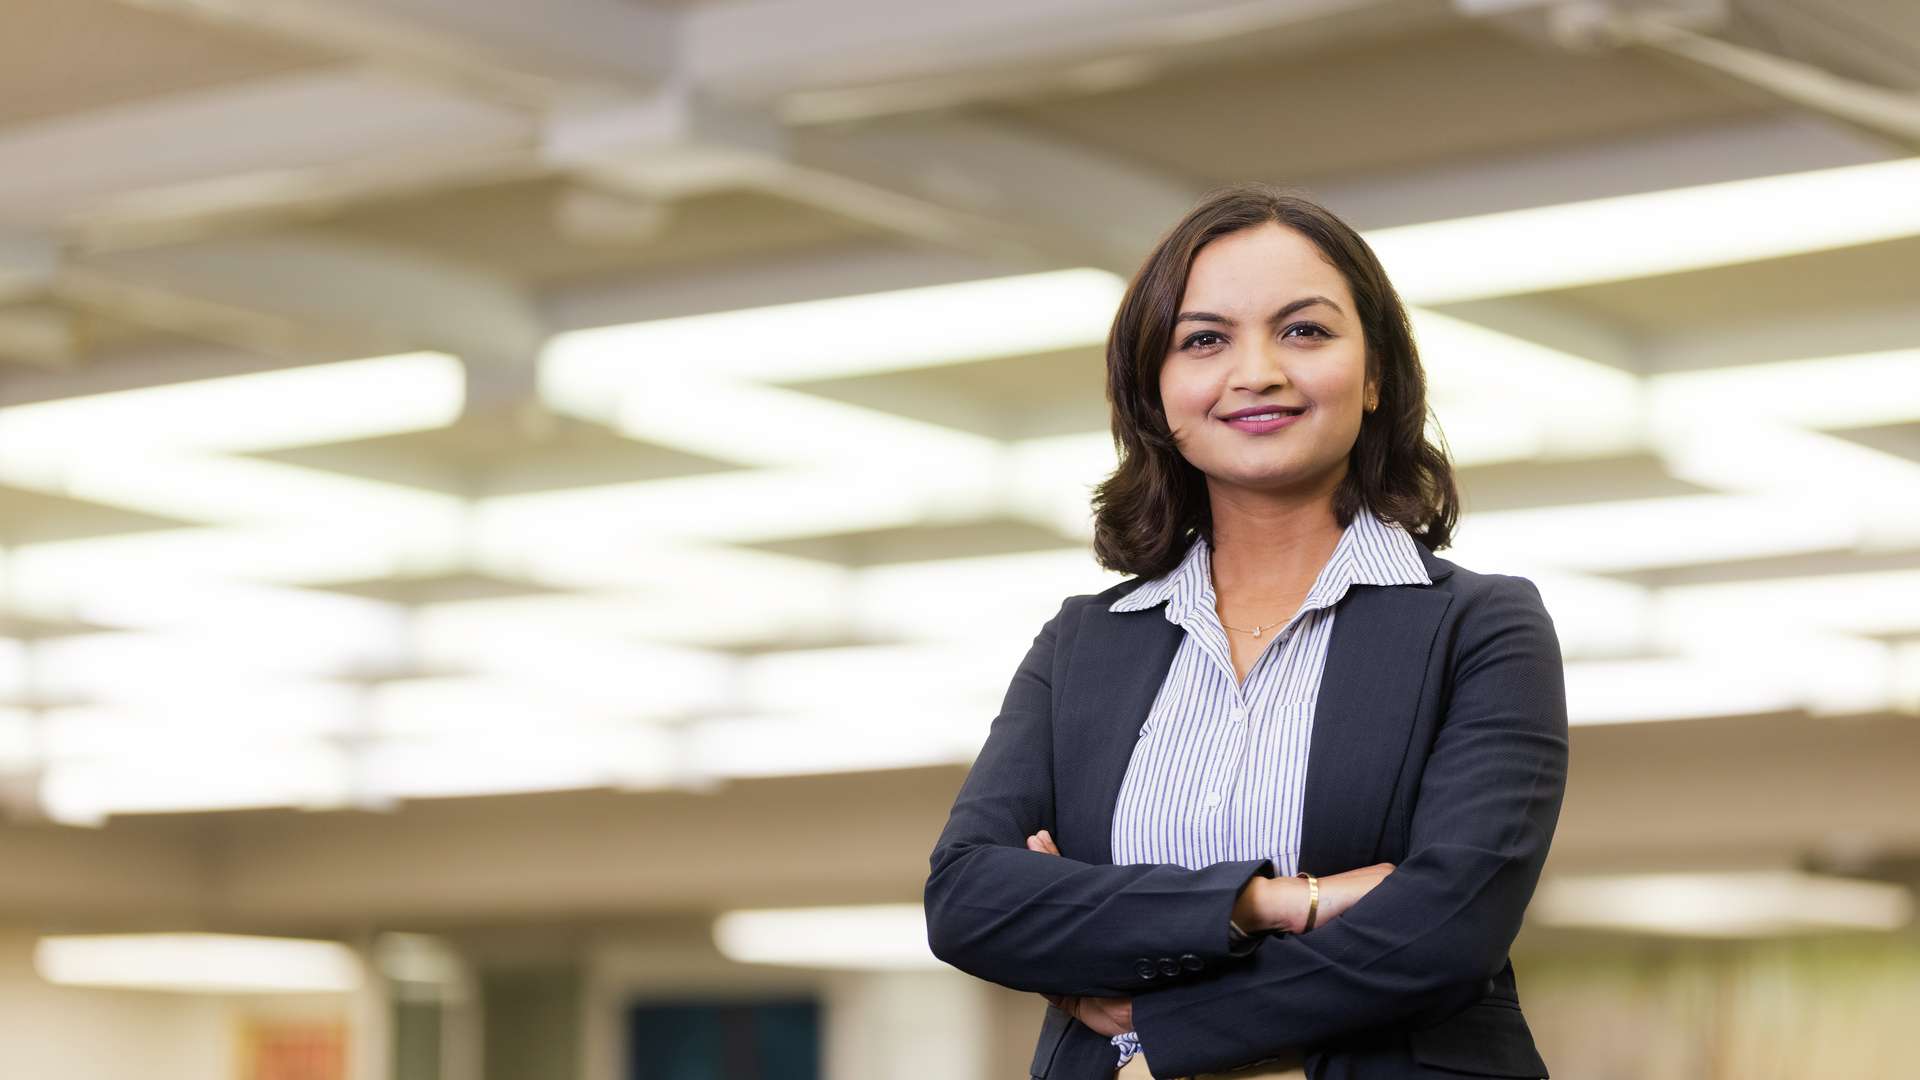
point(1255, 631)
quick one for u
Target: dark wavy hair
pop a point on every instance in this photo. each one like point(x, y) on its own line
point(1148, 511)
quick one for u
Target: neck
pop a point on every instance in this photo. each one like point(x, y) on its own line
point(1271, 550)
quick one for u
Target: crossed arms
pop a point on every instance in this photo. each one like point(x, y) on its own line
point(1428, 935)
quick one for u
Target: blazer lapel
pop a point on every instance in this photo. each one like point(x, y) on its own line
point(1119, 662)
point(1369, 692)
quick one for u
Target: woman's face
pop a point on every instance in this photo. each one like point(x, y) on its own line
point(1265, 323)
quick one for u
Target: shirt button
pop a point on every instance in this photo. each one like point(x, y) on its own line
point(1213, 798)
point(1239, 714)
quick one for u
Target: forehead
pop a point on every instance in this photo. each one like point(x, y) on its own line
point(1260, 268)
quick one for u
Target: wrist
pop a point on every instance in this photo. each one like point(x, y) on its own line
point(1287, 904)
point(1252, 909)
point(1266, 904)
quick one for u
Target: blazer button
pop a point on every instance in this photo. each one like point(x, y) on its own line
point(1191, 962)
point(1144, 968)
point(1169, 966)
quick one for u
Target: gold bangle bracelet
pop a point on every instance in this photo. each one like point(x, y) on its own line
point(1313, 898)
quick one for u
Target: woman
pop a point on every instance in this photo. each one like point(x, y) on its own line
point(1275, 805)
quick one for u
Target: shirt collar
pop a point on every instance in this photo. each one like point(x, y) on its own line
point(1371, 551)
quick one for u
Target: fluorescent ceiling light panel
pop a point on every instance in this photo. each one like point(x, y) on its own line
point(634, 677)
point(222, 715)
point(1880, 602)
point(642, 378)
point(19, 741)
point(50, 576)
point(314, 614)
point(873, 937)
point(650, 566)
point(683, 595)
point(1731, 669)
point(751, 505)
point(14, 673)
point(1763, 456)
point(861, 735)
point(900, 678)
point(1050, 481)
point(129, 665)
point(197, 963)
point(1657, 232)
point(1674, 688)
point(750, 424)
point(537, 759)
point(208, 777)
point(1641, 534)
point(268, 410)
point(1741, 904)
point(1851, 390)
point(1535, 400)
point(480, 706)
point(240, 490)
point(1906, 677)
point(421, 958)
point(867, 334)
point(984, 596)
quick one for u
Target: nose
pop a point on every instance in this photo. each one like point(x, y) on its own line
point(1258, 366)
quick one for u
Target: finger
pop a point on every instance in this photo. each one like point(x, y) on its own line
point(1047, 838)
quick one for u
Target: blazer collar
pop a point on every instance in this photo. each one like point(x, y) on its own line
point(1372, 551)
point(1376, 665)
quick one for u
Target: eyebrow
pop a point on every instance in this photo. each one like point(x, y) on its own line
point(1272, 320)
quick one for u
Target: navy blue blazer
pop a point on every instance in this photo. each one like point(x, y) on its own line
point(1439, 744)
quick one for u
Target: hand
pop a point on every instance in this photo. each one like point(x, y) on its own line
point(1338, 892)
point(1109, 1016)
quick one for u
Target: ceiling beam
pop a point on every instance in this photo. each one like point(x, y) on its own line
point(292, 140)
point(349, 292)
point(1697, 154)
point(510, 51)
point(764, 51)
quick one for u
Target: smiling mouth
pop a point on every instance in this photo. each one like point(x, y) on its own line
point(1274, 414)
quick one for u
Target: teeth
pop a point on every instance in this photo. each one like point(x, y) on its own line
point(1261, 416)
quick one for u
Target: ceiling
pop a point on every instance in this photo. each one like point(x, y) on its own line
point(509, 447)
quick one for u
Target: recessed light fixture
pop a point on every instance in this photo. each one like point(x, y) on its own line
point(1731, 904)
point(865, 937)
point(198, 963)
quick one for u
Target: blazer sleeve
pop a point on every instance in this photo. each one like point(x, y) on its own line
point(1034, 921)
point(1439, 926)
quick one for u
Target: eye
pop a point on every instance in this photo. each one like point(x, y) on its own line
point(1318, 330)
point(1195, 338)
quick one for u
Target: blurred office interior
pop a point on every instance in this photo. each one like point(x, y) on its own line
point(515, 517)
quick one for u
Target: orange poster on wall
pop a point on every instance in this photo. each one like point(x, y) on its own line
point(276, 1049)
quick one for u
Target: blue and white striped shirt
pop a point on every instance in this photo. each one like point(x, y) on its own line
point(1219, 771)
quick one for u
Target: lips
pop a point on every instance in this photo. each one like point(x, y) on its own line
point(1275, 419)
point(1266, 412)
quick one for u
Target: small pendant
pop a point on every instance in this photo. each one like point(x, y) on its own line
point(1257, 629)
